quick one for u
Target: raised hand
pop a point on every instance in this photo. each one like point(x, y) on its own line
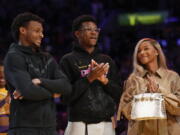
point(102, 78)
point(152, 85)
point(97, 71)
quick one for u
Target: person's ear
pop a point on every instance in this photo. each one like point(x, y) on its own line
point(156, 53)
point(22, 30)
point(77, 34)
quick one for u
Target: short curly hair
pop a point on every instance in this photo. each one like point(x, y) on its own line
point(22, 20)
point(77, 23)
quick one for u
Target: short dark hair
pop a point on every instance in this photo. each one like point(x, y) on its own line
point(77, 23)
point(22, 20)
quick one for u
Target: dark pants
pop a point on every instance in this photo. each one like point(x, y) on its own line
point(32, 131)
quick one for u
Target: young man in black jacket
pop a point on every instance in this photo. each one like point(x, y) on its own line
point(32, 78)
point(95, 83)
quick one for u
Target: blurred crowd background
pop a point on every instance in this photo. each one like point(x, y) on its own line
point(122, 23)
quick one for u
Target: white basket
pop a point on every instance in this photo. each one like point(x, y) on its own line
point(148, 106)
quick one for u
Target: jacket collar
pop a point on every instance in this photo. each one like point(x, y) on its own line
point(160, 72)
point(25, 49)
point(77, 47)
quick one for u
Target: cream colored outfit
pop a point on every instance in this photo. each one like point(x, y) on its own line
point(169, 86)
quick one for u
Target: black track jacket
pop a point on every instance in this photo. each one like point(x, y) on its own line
point(37, 108)
point(89, 102)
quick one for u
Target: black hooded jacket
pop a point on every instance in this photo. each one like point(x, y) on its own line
point(90, 102)
point(37, 108)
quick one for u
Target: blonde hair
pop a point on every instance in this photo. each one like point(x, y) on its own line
point(137, 67)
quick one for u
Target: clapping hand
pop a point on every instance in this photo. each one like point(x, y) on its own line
point(152, 85)
point(98, 72)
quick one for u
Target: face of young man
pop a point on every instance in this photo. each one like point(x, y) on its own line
point(2, 79)
point(88, 34)
point(32, 34)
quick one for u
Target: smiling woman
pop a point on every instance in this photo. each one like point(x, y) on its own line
point(147, 53)
point(151, 75)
